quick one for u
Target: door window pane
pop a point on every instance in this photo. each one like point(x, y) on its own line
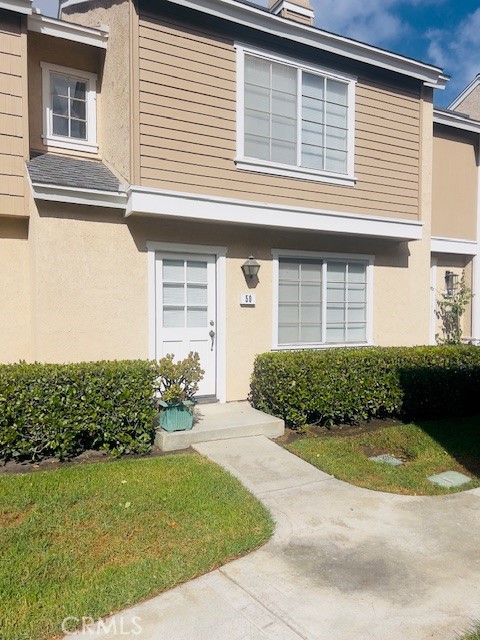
point(173, 317)
point(197, 295)
point(173, 294)
point(173, 270)
point(197, 317)
point(196, 271)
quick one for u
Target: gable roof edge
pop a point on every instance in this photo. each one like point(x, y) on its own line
point(466, 92)
point(261, 20)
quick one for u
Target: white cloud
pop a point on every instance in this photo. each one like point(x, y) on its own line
point(457, 50)
point(372, 21)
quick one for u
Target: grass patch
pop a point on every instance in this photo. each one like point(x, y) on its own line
point(474, 634)
point(93, 539)
point(427, 448)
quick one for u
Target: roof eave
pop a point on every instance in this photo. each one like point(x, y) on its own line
point(456, 121)
point(18, 6)
point(94, 37)
point(260, 20)
point(73, 195)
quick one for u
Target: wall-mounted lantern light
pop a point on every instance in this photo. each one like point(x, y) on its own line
point(250, 268)
point(451, 282)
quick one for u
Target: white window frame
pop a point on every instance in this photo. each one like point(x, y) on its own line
point(369, 260)
point(49, 138)
point(274, 168)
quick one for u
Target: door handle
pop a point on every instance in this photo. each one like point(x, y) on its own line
point(212, 336)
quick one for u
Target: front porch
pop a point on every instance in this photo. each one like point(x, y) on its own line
point(219, 422)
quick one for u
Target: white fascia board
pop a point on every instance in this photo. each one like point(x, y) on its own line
point(18, 6)
point(70, 195)
point(456, 120)
point(465, 93)
point(454, 246)
point(173, 204)
point(68, 31)
point(266, 22)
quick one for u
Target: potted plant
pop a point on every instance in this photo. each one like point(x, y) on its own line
point(177, 386)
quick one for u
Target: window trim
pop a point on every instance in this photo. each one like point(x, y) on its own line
point(49, 138)
point(273, 168)
point(277, 254)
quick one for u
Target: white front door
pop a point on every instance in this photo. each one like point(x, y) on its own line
point(185, 311)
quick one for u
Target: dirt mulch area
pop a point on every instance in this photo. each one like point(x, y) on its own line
point(87, 457)
point(341, 430)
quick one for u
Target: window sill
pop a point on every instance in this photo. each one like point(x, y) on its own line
point(316, 347)
point(69, 143)
point(294, 172)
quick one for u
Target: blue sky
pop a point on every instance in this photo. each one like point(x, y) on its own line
point(444, 32)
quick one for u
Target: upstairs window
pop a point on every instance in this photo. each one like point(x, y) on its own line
point(295, 120)
point(69, 108)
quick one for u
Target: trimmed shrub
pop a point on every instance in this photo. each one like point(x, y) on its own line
point(61, 410)
point(345, 385)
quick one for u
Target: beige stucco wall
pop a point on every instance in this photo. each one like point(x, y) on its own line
point(42, 48)
point(13, 120)
point(455, 177)
point(114, 117)
point(91, 285)
point(188, 127)
point(15, 327)
point(471, 104)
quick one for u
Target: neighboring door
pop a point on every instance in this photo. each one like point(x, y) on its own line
point(186, 311)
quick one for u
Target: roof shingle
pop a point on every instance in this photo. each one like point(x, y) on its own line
point(66, 171)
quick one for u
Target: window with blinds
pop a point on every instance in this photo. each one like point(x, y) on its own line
point(294, 117)
point(322, 301)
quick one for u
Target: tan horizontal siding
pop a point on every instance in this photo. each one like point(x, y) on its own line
point(188, 131)
point(455, 179)
point(12, 121)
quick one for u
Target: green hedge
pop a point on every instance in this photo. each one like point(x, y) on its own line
point(348, 385)
point(61, 410)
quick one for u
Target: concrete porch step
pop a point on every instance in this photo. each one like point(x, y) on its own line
point(220, 422)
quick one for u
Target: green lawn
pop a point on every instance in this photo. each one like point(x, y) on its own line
point(427, 448)
point(474, 634)
point(92, 539)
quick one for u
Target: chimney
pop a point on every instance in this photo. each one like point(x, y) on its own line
point(297, 10)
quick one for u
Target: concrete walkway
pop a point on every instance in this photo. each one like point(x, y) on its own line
point(344, 564)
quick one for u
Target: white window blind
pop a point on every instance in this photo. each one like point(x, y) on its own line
point(322, 302)
point(294, 117)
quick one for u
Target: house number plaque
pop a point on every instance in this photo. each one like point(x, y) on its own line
point(248, 300)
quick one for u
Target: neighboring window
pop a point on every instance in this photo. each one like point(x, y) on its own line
point(295, 119)
point(322, 301)
point(69, 104)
